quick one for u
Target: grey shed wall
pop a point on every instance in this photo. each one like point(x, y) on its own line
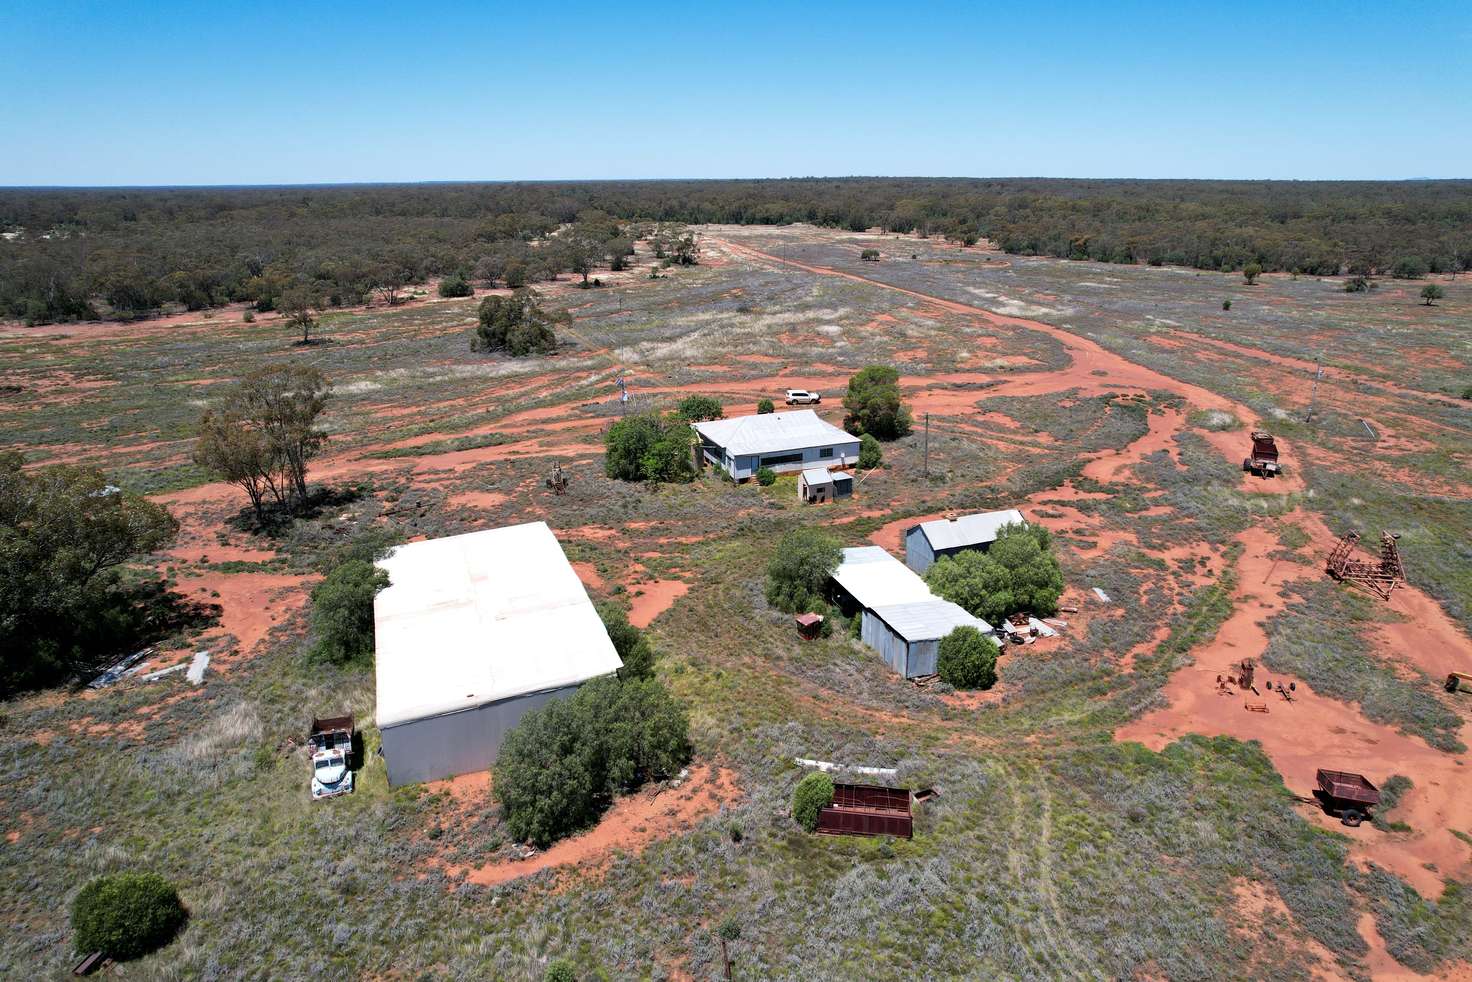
point(909, 658)
point(456, 743)
point(918, 554)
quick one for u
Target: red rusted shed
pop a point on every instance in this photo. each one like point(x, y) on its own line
point(809, 625)
point(860, 809)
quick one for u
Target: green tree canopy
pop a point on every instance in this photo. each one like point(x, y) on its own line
point(1017, 574)
point(517, 325)
point(799, 569)
point(633, 648)
point(455, 285)
point(64, 533)
point(1251, 272)
point(126, 915)
point(1431, 293)
point(648, 447)
point(871, 455)
point(342, 612)
point(967, 659)
point(698, 408)
point(559, 767)
point(873, 404)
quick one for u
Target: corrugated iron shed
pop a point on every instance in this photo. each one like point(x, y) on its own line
point(928, 620)
point(969, 530)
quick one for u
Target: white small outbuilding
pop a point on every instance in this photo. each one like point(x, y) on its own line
point(473, 632)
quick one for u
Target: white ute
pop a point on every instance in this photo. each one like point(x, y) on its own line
point(802, 397)
point(330, 774)
point(330, 743)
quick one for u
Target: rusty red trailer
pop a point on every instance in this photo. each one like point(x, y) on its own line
point(1264, 459)
point(861, 809)
point(1349, 794)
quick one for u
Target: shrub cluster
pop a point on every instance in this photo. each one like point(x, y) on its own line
point(873, 404)
point(562, 764)
point(870, 453)
point(798, 572)
point(517, 325)
point(630, 643)
point(697, 409)
point(1017, 574)
point(342, 612)
point(126, 915)
point(812, 795)
point(967, 659)
point(649, 447)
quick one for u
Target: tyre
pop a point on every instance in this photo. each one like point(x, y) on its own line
point(1247, 466)
point(1352, 818)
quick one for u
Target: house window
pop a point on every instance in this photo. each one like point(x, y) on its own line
point(826, 452)
point(779, 459)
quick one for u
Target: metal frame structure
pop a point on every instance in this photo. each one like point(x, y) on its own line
point(1380, 577)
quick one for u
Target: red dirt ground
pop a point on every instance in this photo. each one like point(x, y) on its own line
point(657, 598)
point(631, 824)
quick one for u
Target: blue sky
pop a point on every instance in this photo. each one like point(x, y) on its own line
point(219, 92)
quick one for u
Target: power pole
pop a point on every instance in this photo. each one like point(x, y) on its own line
point(1314, 393)
point(927, 446)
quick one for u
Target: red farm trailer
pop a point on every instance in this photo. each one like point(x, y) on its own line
point(1348, 795)
point(861, 809)
point(1264, 459)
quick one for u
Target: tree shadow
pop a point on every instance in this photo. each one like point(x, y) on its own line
point(276, 520)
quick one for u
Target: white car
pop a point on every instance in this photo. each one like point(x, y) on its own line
point(802, 397)
point(330, 774)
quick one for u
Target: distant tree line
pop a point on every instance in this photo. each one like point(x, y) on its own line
point(68, 254)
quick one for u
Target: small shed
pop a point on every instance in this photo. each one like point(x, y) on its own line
point(809, 626)
point(817, 484)
point(929, 541)
point(907, 635)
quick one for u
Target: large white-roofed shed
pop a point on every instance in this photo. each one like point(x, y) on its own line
point(473, 632)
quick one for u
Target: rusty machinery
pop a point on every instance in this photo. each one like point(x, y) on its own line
point(1380, 577)
point(559, 481)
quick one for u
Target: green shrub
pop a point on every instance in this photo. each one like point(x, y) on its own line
point(798, 571)
point(765, 406)
point(456, 286)
point(870, 255)
point(1019, 573)
point(516, 325)
point(1251, 272)
point(630, 643)
point(1409, 268)
point(561, 764)
point(870, 453)
point(766, 477)
point(967, 659)
point(560, 971)
point(699, 408)
point(1358, 284)
point(812, 795)
point(648, 447)
point(1226, 305)
point(1431, 293)
point(126, 915)
point(249, 317)
point(342, 612)
point(873, 404)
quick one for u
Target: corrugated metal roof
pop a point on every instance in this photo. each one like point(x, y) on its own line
point(968, 530)
point(473, 619)
point(816, 475)
point(928, 620)
point(767, 433)
point(873, 577)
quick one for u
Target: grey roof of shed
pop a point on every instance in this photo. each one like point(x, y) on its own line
point(928, 620)
point(772, 432)
point(816, 475)
point(967, 530)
